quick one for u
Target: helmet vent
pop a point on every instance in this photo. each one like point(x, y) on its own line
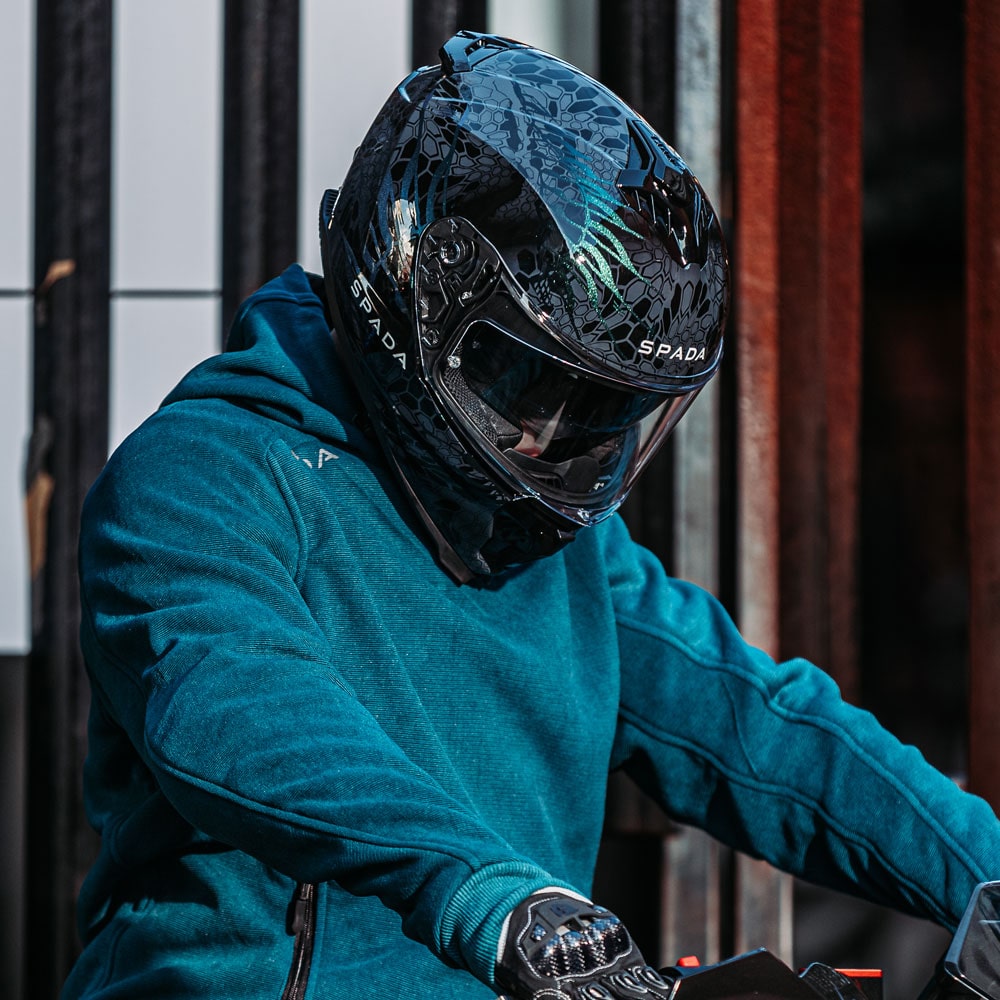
point(658, 185)
point(468, 48)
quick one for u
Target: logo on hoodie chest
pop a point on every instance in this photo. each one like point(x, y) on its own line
point(315, 460)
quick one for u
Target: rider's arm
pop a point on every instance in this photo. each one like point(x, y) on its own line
point(768, 758)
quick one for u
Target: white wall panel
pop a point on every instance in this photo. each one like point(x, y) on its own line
point(167, 144)
point(153, 343)
point(566, 28)
point(352, 57)
point(16, 113)
point(15, 415)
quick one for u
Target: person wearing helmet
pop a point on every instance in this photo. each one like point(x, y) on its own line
point(366, 635)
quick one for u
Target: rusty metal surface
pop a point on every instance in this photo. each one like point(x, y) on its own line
point(798, 325)
point(819, 217)
point(798, 283)
point(756, 287)
point(820, 332)
point(983, 393)
point(840, 165)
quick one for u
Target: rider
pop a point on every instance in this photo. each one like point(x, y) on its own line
point(366, 635)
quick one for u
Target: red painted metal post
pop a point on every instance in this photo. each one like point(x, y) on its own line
point(762, 915)
point(840, 249)
point(820, 339)
point(757, 238)
point(798, 282)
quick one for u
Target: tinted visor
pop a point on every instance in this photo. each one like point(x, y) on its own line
point(576, 440)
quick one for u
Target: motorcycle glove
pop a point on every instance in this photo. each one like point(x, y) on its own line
point(559, 947)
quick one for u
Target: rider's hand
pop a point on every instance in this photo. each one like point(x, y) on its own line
point(558, 946)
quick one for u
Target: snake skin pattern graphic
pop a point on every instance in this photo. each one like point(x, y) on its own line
point(532, 139)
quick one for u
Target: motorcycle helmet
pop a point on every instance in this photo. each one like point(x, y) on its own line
point(529, 287)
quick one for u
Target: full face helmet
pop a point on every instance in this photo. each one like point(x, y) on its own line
point(529, 287)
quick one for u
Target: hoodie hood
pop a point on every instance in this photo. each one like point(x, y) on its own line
point(280, 362)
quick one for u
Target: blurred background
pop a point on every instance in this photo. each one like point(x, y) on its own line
point(837, 486)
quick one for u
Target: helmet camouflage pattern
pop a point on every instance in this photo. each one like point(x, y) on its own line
point(529, 286)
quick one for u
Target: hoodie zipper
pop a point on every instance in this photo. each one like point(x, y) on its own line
point(301, 923)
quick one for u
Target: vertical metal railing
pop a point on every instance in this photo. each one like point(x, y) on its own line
point(692, 869)
point(798, 286)
point(637, 60)
point(435, 21)
point(68, 447)
point(260, 146)
point(757, 290)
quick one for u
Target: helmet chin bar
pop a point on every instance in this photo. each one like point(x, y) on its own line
point(491, 541)
point(575, 475)
point(524, 531)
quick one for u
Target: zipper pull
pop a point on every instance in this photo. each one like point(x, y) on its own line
point(300, 910)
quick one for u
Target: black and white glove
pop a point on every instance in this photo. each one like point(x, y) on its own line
point(560, 947)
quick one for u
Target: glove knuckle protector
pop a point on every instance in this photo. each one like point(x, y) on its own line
point(558, 947)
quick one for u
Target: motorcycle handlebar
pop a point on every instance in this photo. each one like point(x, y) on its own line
point(969, 969)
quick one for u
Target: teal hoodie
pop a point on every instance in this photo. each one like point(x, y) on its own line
point(290, 697)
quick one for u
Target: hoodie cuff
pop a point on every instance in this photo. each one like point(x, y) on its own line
point(474, 917)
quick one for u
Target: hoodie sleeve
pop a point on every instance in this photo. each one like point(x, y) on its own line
point(203, 649)
point(768, 758)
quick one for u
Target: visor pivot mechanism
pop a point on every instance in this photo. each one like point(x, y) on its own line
point(451, 253)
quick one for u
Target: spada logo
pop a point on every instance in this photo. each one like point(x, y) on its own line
point(363, 294)
point(672, 352)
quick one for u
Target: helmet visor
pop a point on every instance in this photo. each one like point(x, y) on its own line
point(553, 427)
point(574, 440)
